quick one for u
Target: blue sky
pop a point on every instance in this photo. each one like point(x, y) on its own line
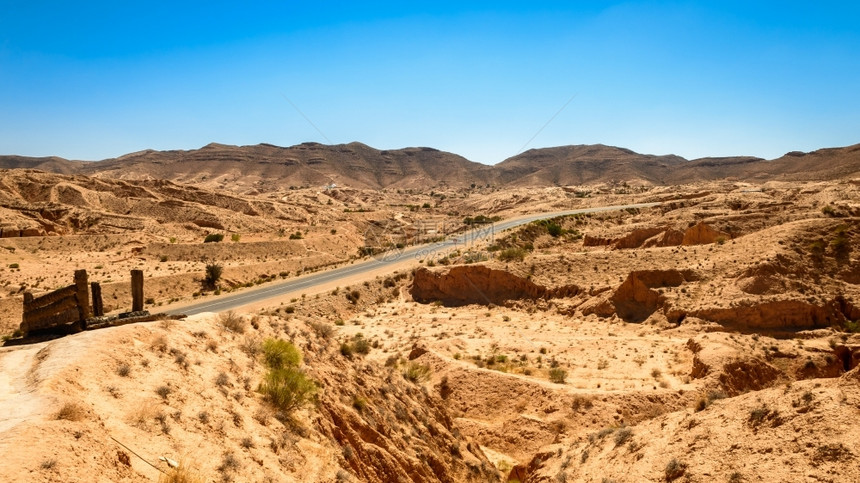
point(91, 80)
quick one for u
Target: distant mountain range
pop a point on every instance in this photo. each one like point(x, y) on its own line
point(265, 167)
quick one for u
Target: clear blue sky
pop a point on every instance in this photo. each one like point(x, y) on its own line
point(91, 80)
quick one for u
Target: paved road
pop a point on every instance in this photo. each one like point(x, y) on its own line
point(254, 295)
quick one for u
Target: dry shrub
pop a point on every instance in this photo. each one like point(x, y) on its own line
point(181, 474)
point(251, 345)
point(322, 329)
point(232, 322)
point(159, 344)
point(143, 415)
point(71, 412)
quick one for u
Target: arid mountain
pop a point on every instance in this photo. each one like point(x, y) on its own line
point(585, 164)
point(264, 167)
point(592, 164)
point(51, 164)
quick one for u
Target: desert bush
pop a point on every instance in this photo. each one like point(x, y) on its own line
point(143, 414)
point(235, 237)
point(512, 254)
point(675, 469)
point(841, 245)
point(623, 435)
point(14, 265)
point(287, 388)
point(71, 412)
point(278, 354)
point(213, 274)
point(181, 474)
point(232, 322)
point(557, 375)
point(229, 463)
point(123, 370)
point(415, 372)
point(296, 236)
point(360, 345)
point(250, 345)
point(554, 229)
point(222, 380)
point(213, 238)
point(163, 391)
point(322, 329)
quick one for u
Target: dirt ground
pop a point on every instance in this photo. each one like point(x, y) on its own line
point(711, 338)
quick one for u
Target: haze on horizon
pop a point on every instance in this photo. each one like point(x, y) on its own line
point(480, 80)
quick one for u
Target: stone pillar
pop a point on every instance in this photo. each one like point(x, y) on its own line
point(98, 305)
point(136, 290)
point(82, 294)
point(25, 322)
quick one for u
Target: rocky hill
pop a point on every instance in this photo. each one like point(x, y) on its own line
point(265, 167)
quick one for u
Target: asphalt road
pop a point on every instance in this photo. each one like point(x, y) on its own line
point(429, 251)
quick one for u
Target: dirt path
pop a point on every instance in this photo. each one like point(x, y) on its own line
point(19, 400)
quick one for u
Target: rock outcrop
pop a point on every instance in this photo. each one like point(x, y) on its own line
point(649, 237)
point(636, 298)
point(478, 284)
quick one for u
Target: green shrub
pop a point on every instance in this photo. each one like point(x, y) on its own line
point(213, 238)
point(278, 354)
point(415, 372)
point(557, 375)
point(511, 254)
point(555, 230)
point(288, 388)
point(296, 236)
point(360, 345)
point(213, 274)
point(14, 265)
point(841, 245)
point(235, 237)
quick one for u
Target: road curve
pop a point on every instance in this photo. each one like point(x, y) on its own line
point(232, 301)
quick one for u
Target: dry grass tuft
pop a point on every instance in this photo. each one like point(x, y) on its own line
point(181, 474)
point(232, 322)
point(143, 415)
point(71, 412)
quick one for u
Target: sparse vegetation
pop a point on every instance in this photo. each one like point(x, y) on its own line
point(181, 474)
point(213, 238)
point(285, 385)
point(278, 354)
point(674, 469)
point(415, 372)
point(212, 275)
point(557, 375)
point(512, 254)
point(71, 411)
point(232, 322)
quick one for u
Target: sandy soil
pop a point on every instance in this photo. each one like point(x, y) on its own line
point(709, 339)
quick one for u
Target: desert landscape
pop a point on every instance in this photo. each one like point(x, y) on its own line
point(709, 335)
